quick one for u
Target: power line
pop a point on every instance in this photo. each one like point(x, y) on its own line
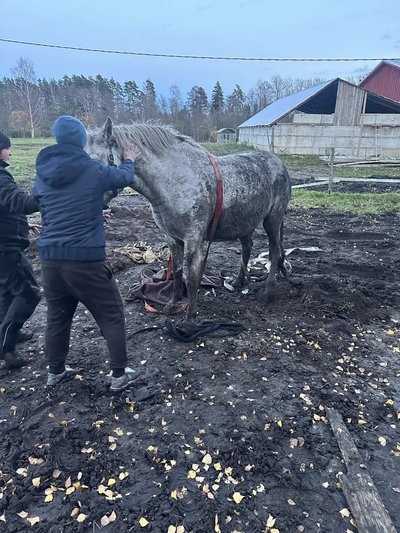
point(182, 56)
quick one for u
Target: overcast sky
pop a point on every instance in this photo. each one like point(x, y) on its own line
point(249, 28)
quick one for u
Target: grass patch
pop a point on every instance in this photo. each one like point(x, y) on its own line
point(22, 162)
point(300, 161)
point(226, 149)
point(363, 171)
point(360, 203)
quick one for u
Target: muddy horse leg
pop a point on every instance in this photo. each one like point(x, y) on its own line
point(176, 248)
point(247, 244)
point(195, 267)
point(281, 261)
point(272, 225)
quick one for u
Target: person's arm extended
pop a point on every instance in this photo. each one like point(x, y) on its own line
point(15, 199)
point(122, 176)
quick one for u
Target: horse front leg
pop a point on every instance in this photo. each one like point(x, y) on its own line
point(195, 267)
point(176, 249)
point(247, 244)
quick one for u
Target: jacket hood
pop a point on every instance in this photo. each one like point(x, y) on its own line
point(69, 130)
point(60, 165)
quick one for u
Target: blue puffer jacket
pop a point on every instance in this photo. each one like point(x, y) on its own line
point(69, 188)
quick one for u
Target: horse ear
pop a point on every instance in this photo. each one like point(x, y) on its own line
point(107, 130)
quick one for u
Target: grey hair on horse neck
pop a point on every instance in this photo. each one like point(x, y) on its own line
point(177, 178)
point(150, 137)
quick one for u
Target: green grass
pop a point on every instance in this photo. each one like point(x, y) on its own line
point(363, 171)
point(22, 161)
point(25, 151)
point(360, 203)
point(226, 149)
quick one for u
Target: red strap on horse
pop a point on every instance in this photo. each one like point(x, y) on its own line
point(220, 197)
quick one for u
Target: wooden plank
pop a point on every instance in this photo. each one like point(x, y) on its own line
point(365, 503)
point(361, 494)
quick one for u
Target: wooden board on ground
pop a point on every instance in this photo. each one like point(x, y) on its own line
point(361, 494)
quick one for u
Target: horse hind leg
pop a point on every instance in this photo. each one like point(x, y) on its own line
point(272, 226)
point(247, 245)
point(282, 263)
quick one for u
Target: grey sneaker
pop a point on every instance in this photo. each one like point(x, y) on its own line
point(121, 383)
point(54, 379)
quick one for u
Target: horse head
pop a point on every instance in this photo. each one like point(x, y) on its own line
point(103, 146)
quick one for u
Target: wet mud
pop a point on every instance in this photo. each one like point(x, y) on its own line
point(238, 440)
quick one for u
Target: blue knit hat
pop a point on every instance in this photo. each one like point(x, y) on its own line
point(4, 141)
point(69, 130)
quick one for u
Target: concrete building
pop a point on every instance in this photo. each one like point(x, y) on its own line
point(384, 80)
point(335, 114)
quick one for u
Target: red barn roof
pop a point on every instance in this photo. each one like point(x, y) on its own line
point(384, 80)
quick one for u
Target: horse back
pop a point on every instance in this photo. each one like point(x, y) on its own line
point(256, 185)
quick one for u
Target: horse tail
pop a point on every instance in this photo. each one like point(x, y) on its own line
point(281, 261)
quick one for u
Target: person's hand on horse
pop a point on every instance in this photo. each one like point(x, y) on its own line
point(131, 153)
point(107, 214)
point(35, 228)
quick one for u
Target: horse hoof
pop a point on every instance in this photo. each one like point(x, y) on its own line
point(238, 284)
point(270, 292)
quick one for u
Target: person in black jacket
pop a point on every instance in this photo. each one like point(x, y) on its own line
point(19, 291)
point(69, 188)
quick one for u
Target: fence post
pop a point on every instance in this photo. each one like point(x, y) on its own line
point(331, 161)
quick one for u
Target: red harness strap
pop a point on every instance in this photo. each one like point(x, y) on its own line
point(217, 212)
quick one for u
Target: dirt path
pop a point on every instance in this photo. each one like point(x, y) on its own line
point(239, 437)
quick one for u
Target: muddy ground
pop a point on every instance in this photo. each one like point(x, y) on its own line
point(238, 440)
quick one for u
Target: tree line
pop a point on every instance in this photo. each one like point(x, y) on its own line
point(29, 106)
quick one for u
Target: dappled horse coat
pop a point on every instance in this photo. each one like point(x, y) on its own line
point(177, 178)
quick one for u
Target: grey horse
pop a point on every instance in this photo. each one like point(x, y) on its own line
point(176, 176)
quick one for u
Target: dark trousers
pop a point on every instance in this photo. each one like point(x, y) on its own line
point(19, 296)
point(66, 283)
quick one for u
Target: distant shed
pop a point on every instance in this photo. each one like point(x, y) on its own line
point(384, 80)
point(334, 114)
point(226, 135)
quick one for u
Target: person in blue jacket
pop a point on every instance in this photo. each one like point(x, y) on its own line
point(69, 188)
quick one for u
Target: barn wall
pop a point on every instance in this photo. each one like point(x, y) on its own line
point(377, 135)
point(384, 81)
point(349, 105)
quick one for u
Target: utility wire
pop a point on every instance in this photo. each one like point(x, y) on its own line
point(181, 56)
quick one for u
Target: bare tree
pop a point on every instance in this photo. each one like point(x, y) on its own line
point(279, 87)
point(28, 92)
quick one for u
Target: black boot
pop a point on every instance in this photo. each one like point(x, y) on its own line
point(24, 335)
point(13, 360)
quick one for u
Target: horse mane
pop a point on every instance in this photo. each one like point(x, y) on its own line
point(150, 137)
